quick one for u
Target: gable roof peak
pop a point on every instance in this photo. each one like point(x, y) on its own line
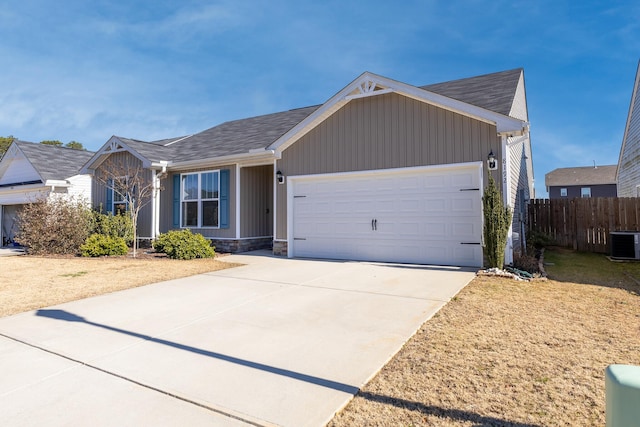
point(493, 91)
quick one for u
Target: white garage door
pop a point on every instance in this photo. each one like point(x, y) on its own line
point(424, 216)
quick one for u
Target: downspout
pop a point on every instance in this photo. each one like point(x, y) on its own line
point(275, 199)
point(155, 200)
point(506, 192)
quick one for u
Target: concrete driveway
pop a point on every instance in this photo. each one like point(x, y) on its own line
point(276, 342)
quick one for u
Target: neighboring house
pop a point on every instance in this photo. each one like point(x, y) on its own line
point(382, 171)
point(30, 171)
point(628, 176)
point(588, 181)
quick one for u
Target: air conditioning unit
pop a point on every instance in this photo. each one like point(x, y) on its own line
point(625, 244)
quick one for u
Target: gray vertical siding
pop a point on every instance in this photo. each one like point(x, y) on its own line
point(99, 191)
point(166, 204)
point(382, 132)
point(629, 167)
point(256, 201)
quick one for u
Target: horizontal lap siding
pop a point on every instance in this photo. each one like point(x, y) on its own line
point(629, 173)
point(382, 132)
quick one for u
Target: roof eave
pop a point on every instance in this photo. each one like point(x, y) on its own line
point(253, 156)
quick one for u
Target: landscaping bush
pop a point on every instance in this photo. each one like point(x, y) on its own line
point(103, 245)
point(526, 263)
point(114, 226)
point(183, 244)
point(54, 226)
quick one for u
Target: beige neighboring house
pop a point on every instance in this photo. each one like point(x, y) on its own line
point(381, 171)
point(586, 181)
point(628, 176)
point(30, 171)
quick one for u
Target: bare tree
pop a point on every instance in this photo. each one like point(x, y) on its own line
point(131, 185)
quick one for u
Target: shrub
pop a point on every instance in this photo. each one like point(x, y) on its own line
point(102, 245)
point(183, 244)
point(54, 225)
point(497, 220)
point(538, 240)
point(114, 225)
point(526, 263)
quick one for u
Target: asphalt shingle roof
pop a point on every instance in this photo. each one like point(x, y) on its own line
point(586, 175)
point(151, 150)
point(53, 162)
point(239, 136)
point(493, 92)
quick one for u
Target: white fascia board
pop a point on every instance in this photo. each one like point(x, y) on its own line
point(504, 124)
point(57, 183)
point(244, 159)
point(109, 148)
point(22, 194)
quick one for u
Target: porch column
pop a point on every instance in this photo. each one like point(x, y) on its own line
point(155, 204)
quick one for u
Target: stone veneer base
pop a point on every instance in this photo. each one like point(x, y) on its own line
point(242, 245)
point(280, 248)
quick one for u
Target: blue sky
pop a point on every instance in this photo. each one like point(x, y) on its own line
point(78, 70)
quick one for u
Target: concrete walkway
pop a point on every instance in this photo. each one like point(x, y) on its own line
point(11, 251)
point(276, 342)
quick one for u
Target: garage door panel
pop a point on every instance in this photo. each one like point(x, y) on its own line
point(422, 217)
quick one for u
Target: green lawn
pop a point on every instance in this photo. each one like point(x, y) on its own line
point(565, 265)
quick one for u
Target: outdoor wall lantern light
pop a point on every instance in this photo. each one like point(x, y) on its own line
point(279, 177)
point(492, 163)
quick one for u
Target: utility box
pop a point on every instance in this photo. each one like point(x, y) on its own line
point(625, 244)
point(622, 388)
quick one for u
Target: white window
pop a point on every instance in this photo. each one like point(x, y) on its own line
point(200, 199)
point(563, 192)
point(585, 192)
point(119, 201)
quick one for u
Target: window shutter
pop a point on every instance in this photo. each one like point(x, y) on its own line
point(109, 207)
point(224, 198)
point(176, 200)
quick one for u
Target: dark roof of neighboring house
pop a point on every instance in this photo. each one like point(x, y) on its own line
point(586, 175)
point(53, 162)
point(493, 91)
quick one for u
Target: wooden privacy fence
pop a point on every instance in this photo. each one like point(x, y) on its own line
point(584, 224)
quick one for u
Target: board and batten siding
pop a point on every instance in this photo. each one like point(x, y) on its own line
point(166, 204)
point(383, 132)
point(629, 166)
point(99, 192)
point(256, 201)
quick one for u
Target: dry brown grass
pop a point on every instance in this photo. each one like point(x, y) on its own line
point(507, 353)
point(29, 282)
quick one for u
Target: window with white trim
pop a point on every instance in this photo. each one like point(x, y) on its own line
point(119, 202)
point(563, 192)
point(200, 199)
point(585, 192)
